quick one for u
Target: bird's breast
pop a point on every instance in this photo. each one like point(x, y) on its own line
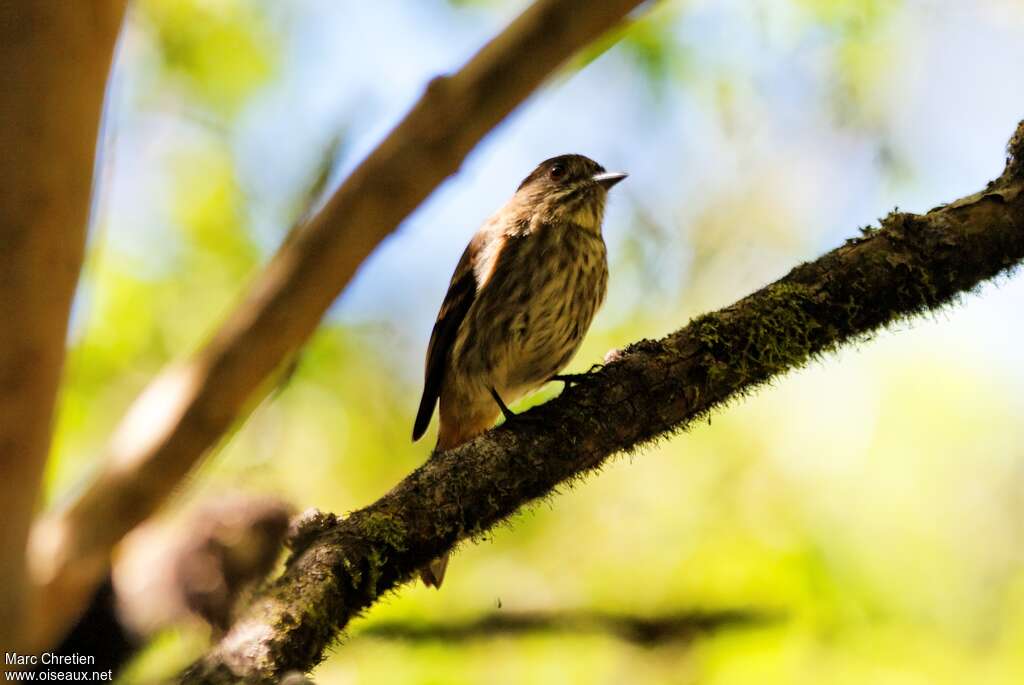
point(551, 315)
point(531, 314)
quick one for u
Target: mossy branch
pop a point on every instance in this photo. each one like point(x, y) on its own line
point(910, 265)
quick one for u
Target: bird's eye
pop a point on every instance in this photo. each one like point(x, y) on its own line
point(557, 172)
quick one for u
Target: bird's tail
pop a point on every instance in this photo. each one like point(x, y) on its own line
point(450, 435)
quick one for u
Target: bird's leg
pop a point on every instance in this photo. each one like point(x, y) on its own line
point(505, 411)
point(524, 417)
point(573, 378)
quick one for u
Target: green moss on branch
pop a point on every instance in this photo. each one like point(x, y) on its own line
point(912, 264)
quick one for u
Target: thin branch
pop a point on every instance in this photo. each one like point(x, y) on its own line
point(54, 57)
point(640, 630)
point(185, 411)
point(912, 264)
point(647, 631)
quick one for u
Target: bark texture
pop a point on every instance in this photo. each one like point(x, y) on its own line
point(54, 59)
point(184, 413)
point(910, 265)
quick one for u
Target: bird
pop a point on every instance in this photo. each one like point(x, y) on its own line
point(520, 301)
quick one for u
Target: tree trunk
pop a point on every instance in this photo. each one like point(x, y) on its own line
point(54, 60)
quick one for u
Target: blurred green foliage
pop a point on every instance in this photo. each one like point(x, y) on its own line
point(222, 50)
point(849, 15)
point(650, 44)
point(871, 502)
point(867, 42)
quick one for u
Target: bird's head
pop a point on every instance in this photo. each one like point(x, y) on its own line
point(568, 188)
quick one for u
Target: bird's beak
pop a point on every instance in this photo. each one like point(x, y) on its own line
point(609, 178)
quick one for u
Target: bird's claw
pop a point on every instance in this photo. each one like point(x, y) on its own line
point(574, 378)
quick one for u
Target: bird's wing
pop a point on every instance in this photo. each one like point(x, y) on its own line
point(461, 293)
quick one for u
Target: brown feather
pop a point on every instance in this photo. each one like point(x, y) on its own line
point(461, 292)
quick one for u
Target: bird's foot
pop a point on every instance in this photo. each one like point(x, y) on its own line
point(505, 411)
point(521, 417)
point(574, 378)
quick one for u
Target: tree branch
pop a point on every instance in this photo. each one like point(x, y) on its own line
point(185, 411)
point(54, 57)
point(912, 264)
point(647, 631)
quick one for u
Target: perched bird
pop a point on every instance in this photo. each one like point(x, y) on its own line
point(519, 303)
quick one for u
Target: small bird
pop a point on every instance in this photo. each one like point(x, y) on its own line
point(521, 299)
